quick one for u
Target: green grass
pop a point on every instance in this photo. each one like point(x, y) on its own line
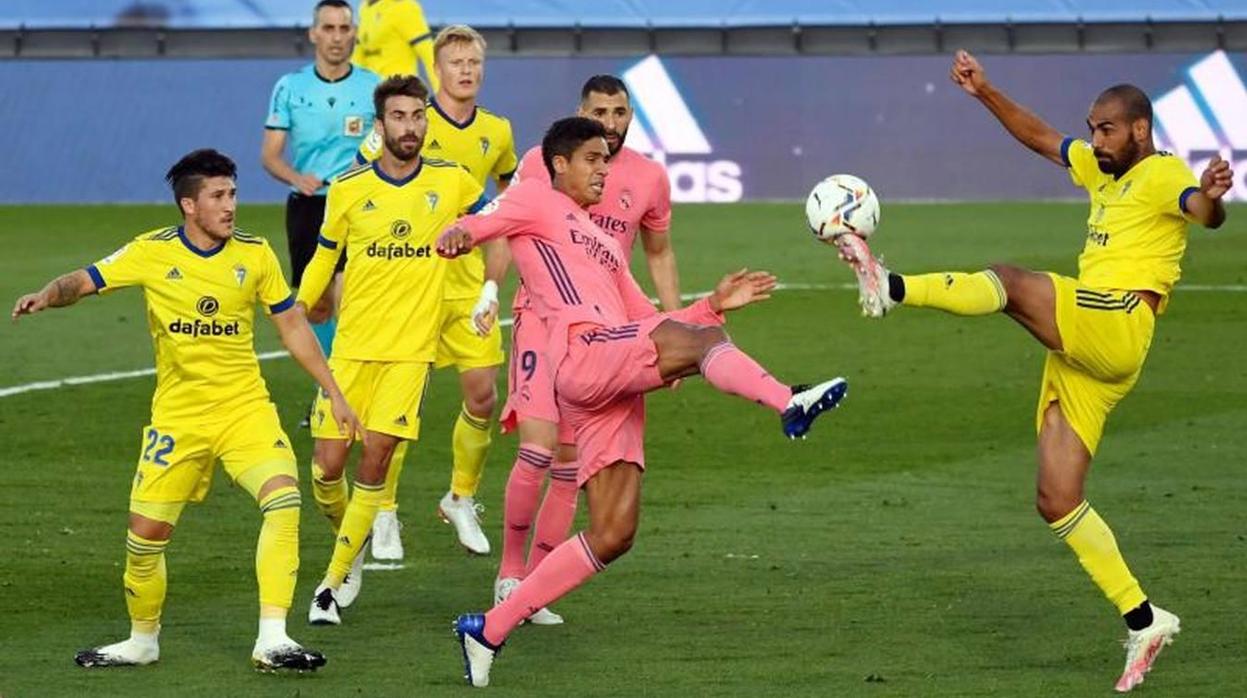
point(898, 543)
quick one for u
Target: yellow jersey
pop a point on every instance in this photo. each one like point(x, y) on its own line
point(200, 311)
point(392, 38)
point(392, 288)
point(483, 145)
point(1137, 227)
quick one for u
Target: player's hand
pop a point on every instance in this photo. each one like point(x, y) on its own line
point(485, 312)
point(738, 289)
point(29, 304)
point(344, 416)
point(1217, 178)
point(307, 184)
point(454, 242)
point(967, 73)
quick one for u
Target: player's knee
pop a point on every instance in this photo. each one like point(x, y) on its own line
point(150, 529)
point(329, 458)
point(1053, 501)
point(614, 540)
point(710, 337)
point(481, 403)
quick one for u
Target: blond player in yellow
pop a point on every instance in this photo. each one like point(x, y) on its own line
point(481, 142)
point(393, 37)
point(1097, 328)
point(202, 281)
point(386, 216)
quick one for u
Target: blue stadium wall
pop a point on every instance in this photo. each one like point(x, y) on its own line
point(728, 128)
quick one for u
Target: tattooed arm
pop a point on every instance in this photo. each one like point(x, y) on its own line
point(62, 291)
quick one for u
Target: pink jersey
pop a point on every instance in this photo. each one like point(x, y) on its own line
point(575, 272)
point(637, 195)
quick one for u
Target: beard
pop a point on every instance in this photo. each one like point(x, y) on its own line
point(1118, 165)
point(623, 136)
point(404, 151)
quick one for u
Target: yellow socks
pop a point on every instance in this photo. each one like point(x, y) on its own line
point(277, 552)
point(1092, 541)
point(980, 293)
point(356, 525)
point(470, 445)
point(390, 502)
point(146, 581)
point(330, 495)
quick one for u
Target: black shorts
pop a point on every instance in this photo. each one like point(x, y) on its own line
point(304, 216)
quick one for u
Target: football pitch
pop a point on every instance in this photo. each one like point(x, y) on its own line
point(896, 552)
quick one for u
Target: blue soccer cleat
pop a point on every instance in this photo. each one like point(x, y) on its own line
point(478, 653)
point(809, 402)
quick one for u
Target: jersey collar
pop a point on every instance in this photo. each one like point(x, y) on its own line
point(459, 125)
point(376, 168)
point(190, 246)
point(349, 70)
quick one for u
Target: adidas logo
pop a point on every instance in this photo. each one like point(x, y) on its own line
point(435, 145)
point(174, 274)
point(1205, 117)
point(369, 206)
point(401, 421)
point(664, 125)
point(280, 444)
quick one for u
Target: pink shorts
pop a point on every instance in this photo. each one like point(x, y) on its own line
point(601, 386)
point(530, 378)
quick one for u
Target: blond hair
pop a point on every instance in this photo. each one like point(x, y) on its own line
point(457, 34)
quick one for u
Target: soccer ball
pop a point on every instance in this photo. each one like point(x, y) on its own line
point(842, 204)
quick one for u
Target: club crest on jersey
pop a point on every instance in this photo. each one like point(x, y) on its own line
point(431, 197)
point(240, 274)
point(484, 145)
point(625, 199)
point(207, 306)
point(400, 229)
point(353, 126)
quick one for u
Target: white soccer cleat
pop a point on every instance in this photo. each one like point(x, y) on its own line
point(1143, 646)
point(872, 276)
point(285, 655)
point(544, 616)
point(138, 650)
point(464, 514)
point(325, 609)
point(386, 542)
point(353, 582)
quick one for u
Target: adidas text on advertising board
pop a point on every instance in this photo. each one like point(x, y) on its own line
point(1207, 116)
point(664, 129)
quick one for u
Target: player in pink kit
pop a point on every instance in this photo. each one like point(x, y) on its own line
point(636, 202)
point(607, 346)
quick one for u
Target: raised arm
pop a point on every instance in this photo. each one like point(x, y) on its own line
point(1030, 130)
point(298, 338)
point(64, 290)
point(1205, 205)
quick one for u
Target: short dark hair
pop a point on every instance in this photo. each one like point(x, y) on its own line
point(1135, 101)
point(603, 84)
point(565, 136)
point(396, 86)
point(187, 175)
point(330, 3)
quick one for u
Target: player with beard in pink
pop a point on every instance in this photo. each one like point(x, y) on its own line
point(606, 348)
point(636, 201)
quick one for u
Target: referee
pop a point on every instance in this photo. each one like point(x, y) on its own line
point(323, 112)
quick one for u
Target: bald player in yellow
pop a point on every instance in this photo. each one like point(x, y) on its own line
point(385, 216)
point(393, 37)
point(480, 141)
point(1097, 328)
point(202, 281)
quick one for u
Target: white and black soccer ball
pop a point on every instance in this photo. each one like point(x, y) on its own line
point(842, 204)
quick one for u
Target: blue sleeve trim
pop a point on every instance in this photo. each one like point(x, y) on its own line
point(478, 204)
point(359, 158)
point(423, 37)
point(1186, 193)
point(326, 242)
point(96, 277)
point(1065, 144)
point(282, 306)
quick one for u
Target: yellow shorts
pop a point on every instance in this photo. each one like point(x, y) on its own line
point(175, 463)
point(387, 396)
point(460, 346)
point(1105, 335)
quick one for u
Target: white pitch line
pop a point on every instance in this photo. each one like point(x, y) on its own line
point(505, 322)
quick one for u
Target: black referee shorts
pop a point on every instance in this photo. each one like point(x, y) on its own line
point(304, 215)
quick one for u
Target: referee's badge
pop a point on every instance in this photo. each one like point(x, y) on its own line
point(353, 126)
